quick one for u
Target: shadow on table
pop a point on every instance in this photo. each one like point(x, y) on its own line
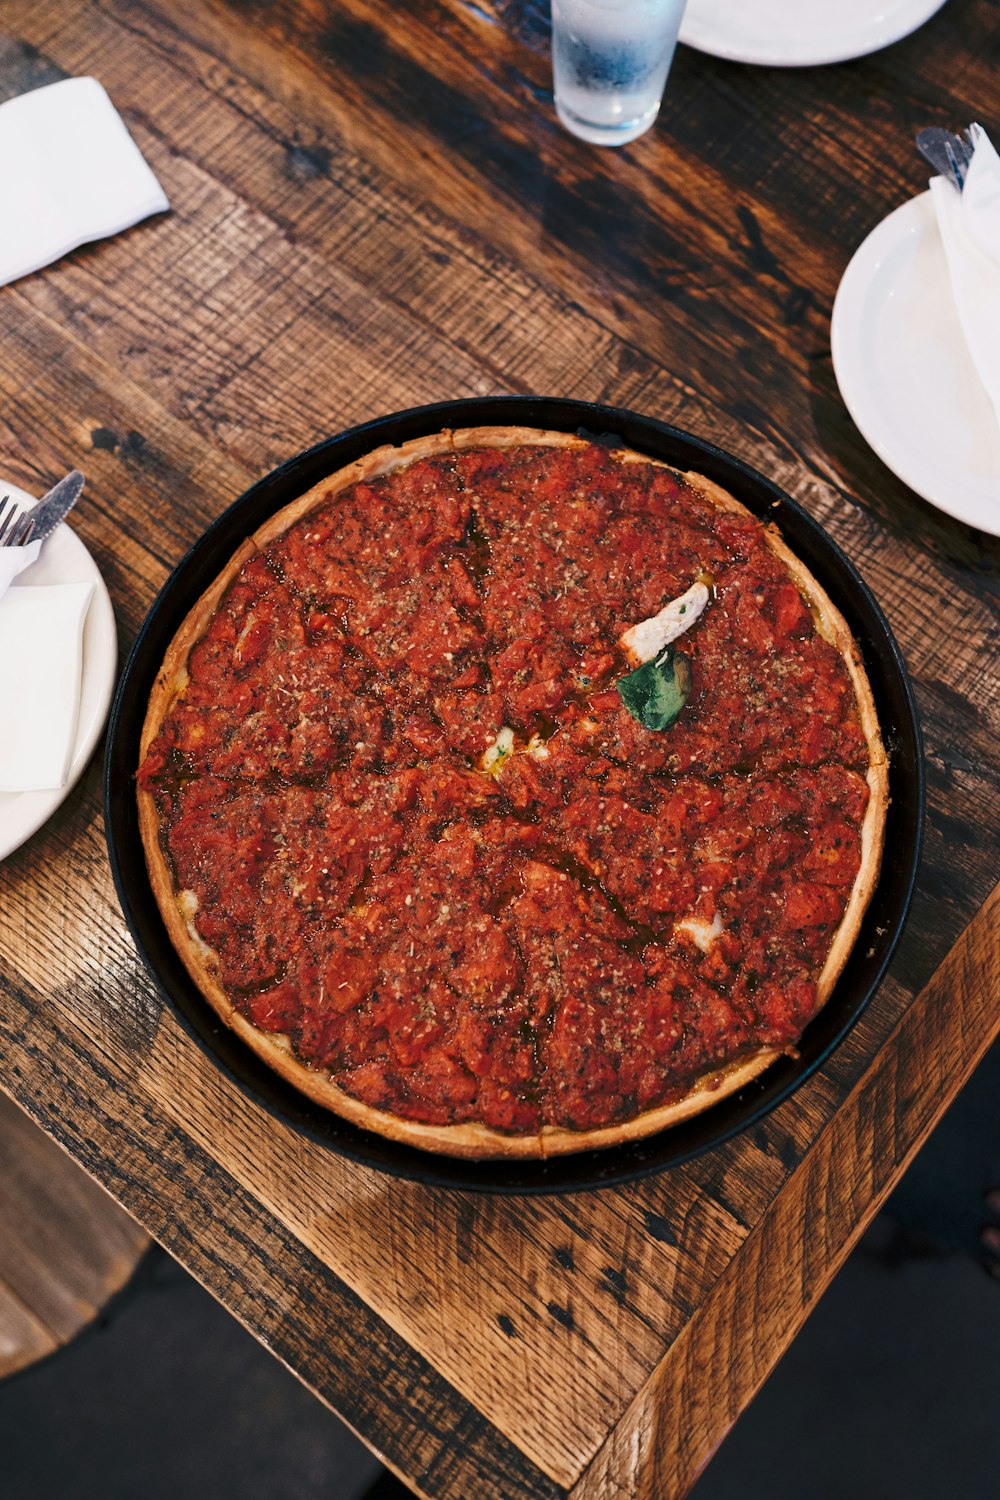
point(890, 1389)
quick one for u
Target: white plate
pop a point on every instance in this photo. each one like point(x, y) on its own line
point(905, 373)
point(800, 33)
point(64, 559)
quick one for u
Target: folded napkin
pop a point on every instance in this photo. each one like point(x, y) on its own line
point(69, 172)
point(14, 560)
point(41, 666)
point(970, 230)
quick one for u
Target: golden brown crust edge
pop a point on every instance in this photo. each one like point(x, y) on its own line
point(388, 459)
point(470, 1139)
point(834, 628)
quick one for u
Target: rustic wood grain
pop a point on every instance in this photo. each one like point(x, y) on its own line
point(748, 1318)
point(373, 207)
point(65, 1247)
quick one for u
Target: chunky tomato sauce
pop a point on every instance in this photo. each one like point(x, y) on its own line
point(572, 933)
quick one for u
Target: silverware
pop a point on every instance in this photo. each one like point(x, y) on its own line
point(18, 527)
point(15, 524)
point(56, 505)
point(948, 152)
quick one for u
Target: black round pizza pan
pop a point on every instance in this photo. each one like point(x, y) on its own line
point(883, 922)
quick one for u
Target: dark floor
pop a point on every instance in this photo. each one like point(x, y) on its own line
point(893, 1388)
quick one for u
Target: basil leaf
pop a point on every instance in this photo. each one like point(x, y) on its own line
point(655, 693)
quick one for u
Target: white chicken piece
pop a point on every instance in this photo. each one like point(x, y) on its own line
point(643, 642)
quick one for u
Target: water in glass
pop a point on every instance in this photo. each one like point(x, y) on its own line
point(610, 60)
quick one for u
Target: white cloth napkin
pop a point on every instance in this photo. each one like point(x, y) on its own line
point(970, 230)
point(69, 172)
point(14, 560)
point(41, 666)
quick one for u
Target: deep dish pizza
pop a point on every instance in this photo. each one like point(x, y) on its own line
point(512, 794)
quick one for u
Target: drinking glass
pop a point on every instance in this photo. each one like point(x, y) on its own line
point(610, 60)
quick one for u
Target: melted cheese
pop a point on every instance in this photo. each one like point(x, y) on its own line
point(501, 749)
point(187, 905)
point(704, 934)
point(493, 760)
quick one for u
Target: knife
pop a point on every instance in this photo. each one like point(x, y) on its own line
point(53, 507)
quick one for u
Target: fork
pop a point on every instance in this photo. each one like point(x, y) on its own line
point(16, 525)
point(948, 151)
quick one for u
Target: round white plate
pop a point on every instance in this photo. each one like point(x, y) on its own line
point(64, 559)
point(905, 373)
point(800, 33)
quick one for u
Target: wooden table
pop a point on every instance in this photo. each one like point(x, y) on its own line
point(374, 207)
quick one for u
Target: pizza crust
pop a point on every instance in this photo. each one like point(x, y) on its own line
point(834, 628)
point(470, 1139)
